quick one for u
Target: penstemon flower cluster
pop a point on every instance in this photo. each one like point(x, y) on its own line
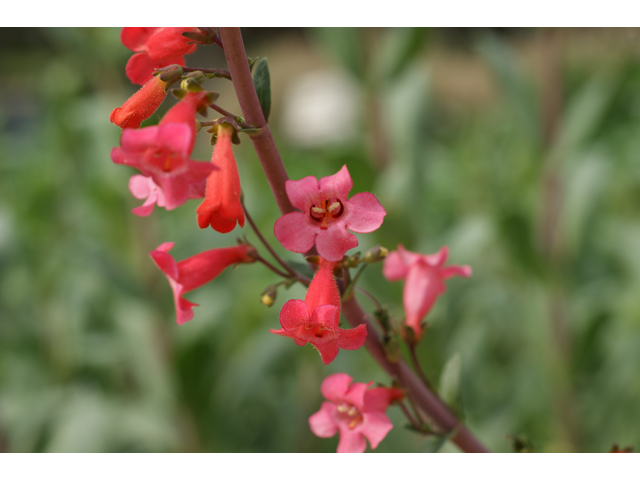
point(319, 220)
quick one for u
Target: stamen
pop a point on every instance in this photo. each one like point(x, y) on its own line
point(333, 206)
point(318, 209)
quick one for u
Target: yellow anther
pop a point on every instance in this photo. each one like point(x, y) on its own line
point(333, 206)
point(317, 210)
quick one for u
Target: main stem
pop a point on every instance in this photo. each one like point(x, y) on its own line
point(351, 309)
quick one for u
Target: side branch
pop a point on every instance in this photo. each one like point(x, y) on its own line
point(250, 106)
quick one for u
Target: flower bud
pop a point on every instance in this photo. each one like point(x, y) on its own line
point(269, 295)
point(141, 105)
point(352, 261)
point(375, 254)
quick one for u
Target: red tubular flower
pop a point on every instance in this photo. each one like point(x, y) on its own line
point(193, 272)
point(221, 207)
point(141, 105)
point(158, 48)
point(353, 410)
point(425, 276)
point(162, 153)
point(316, 320)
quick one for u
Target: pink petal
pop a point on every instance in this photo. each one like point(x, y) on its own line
point(328, 350)
point(394, 267)
point(326, 315)
point(139, 186)
point(134, 38)
point(421, 290)
point(455, 270)
point(355, 394)
point(352, 339)
point(294, 314)
point(302, 193)
point(146, 208)
point(294, 233)
point(335, 387)
point(176, 137)
point(140, 67)
point(351, 441)
point(437, 259)
point(323, 423)
point(375, 427)
point(138, 140)
point(365, 213)
point(333, 243)
point(337, 185)
point(294, 334)
point(377, 399)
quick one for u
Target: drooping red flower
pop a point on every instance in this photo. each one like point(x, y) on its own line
point(326, 214)
point(316, 320)
point(425, 276)
point(354, 411)
point(162, 152)
point(157, 46)
point(141, 105)
point(193, 272)
point(221, 207)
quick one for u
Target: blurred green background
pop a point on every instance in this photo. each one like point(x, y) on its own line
point(519, 149)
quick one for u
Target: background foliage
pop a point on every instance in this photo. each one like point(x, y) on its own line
point(519, 149)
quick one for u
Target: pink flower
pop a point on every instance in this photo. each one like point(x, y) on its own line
point(316, 320)
point(193, 272)
point(158, 47)
point(144, 187)
point(162, 153)
point(353, 410)
point(326, 214)
point(221, 207)
point(425, 276)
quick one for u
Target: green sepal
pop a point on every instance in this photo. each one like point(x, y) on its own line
point(262, 83)
point(213, 130)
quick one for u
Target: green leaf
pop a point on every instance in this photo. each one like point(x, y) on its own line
point(346, 46)
point(450, 380)
point(262, 82)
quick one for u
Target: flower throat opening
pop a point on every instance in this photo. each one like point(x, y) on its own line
point(326, 211)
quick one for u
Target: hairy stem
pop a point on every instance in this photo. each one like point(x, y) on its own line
point(276, 175)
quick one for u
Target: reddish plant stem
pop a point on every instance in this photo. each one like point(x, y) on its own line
point(351, 309)
point(263, 140)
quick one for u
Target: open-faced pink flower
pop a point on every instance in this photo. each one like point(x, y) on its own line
point(158, 47)
point(326, 214)
point(193, 272)
point(316, 320)
point(425, 276)
point(221, 207)
point(354, 411)
point(162, 153)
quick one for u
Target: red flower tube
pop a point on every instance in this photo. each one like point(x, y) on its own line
point(193, 272)
point(221, 207)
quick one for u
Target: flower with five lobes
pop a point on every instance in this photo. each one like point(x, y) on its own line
point(354, 411)
point(316, 320)
point(326, 214)
point(221, 207)
point(162, 153)
point(425, 276)
point(157, 47)
point(193, 272)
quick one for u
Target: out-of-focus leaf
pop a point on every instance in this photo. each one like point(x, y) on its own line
point(345, 45)
point(401, 47)
point(450, 380)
